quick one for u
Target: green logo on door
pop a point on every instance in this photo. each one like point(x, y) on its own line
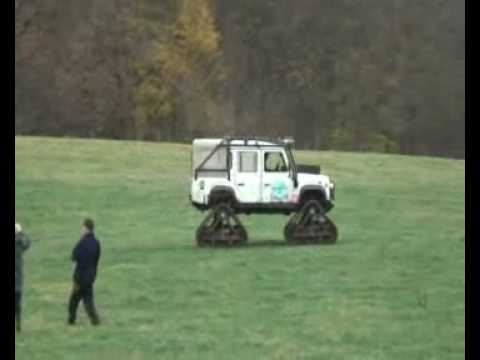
point(279, 191)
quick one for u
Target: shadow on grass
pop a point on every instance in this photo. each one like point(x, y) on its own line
point(127, 254)
point(251, 245)
point(265, 244)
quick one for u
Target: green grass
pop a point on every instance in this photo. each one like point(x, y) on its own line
point(392, 288)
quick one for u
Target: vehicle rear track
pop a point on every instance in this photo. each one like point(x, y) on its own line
point(221, 227)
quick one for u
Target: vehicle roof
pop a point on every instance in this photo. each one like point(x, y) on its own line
point(246, 142)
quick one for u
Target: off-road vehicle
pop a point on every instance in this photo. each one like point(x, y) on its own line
point(247, 175)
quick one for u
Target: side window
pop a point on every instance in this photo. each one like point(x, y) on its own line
point(275, 162)
point(247, 161)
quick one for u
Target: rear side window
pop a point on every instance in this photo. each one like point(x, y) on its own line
point(217, 160)
point(247, 161)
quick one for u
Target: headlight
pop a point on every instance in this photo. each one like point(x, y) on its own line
point(332, 190)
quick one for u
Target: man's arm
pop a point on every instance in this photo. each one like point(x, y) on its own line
point(99, 252)
point(75, 252)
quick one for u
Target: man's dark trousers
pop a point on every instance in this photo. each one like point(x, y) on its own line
point(18, 309)
point(82, 292)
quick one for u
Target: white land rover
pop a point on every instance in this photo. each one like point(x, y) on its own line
point(251, 175)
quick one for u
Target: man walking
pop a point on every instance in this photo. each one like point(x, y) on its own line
point(86, 255)
point(22, 243)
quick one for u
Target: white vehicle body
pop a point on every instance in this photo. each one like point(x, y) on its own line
point(258, 175)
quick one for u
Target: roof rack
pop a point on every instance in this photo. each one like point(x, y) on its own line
point(227, 142)
point(246, 139)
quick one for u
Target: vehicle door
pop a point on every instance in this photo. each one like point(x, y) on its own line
point(246, 175)
point(277, 184)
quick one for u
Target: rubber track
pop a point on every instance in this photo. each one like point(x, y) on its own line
point(221, 228)
point(310, 226)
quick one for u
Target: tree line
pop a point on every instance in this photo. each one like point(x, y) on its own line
point(385, 76)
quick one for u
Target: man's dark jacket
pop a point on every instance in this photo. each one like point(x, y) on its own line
point(87, 255)
point(22, 243)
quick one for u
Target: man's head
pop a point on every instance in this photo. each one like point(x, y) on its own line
point(88, 225)
point(18, 228)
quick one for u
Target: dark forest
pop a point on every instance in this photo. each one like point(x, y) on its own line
point(371, 75)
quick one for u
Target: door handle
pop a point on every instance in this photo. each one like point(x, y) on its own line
point(266, 185)
point(241, 184)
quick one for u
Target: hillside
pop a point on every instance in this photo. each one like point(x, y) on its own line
point(392, 288)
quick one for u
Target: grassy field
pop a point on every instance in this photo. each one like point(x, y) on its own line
point(392, 288)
